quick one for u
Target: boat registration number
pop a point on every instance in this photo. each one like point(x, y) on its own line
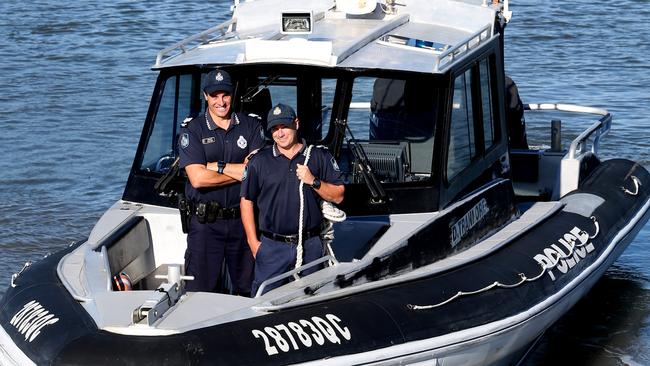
point(303, 333)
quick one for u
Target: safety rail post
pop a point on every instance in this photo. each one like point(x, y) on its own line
point(556, 135)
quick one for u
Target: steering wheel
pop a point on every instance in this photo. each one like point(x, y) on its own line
point(165, 162)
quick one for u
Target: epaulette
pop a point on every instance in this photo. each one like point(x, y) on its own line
point(186, 121)
point(255, 116)
point(253, 153)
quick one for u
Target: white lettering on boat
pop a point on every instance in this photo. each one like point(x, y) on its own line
point(461, 227)
point(302, 334)
point(31, 319)
point(566, 253)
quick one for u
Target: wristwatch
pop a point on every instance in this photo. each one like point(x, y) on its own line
point(316, 183)
point(220, 167)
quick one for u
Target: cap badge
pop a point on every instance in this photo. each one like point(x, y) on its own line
point(277, 111)
point(219, 77)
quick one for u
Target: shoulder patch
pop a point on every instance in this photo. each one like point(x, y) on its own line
point(185, 140)
point(335, 165)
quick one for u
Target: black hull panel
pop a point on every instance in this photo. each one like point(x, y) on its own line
point(507, 288)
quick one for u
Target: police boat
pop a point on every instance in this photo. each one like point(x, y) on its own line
point(457, 249)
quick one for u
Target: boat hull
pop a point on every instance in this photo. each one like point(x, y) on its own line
point(487, 311)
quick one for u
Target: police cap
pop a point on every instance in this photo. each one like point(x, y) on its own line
point(281, 114)
point(217, 80)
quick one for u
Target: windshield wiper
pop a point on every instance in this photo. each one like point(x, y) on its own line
point(362, 163)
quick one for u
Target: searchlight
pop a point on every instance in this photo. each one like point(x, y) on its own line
point(297, 22)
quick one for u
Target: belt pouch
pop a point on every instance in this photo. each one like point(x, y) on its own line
point(212, 211)
point(201, 212)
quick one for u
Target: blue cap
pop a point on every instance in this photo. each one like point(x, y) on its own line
point(281, 114)
point(217, 80)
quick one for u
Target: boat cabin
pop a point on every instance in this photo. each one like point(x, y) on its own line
point(412, 110)
point(429, 138)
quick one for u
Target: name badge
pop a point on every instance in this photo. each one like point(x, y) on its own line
point(208, 140)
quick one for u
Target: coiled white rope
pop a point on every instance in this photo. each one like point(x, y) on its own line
point(330, 212)
point(301, 216)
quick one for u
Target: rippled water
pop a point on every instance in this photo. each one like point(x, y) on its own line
point(75, 84)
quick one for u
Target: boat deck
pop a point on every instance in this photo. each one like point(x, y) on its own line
point(112, 310)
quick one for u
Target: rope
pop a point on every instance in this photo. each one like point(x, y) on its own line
point(522, 277)
point(301, 217)
point(327, 237)
point(331, 214)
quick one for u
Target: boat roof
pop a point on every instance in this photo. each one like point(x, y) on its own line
point(412, 35)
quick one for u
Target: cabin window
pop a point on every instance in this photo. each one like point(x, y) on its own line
point(461, 134)
point(486, 102)
point(284, 91)
point(310, 96)
point(175, 105)
point(393, 120)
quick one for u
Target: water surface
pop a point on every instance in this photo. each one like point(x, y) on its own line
point(76, 85)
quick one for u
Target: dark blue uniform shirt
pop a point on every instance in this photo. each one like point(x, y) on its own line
point(271, 182)
point(203, 141)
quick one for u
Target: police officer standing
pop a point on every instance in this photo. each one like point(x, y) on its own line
point(272, 181)
point(213, 150)
point(515, 117)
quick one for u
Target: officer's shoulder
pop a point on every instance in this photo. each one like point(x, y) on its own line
point(322, 149)
point(190, 117)
point(263, 152)
point(248, 117)
point(256, 117)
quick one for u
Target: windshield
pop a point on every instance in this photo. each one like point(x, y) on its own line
point(180, 98)
point(390, 119)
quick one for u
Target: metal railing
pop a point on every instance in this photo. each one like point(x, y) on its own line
point(463, 47)
point(206, 36)
point(598, 129)
point(291, 273)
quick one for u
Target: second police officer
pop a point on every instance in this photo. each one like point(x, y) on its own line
point(272, 181)
point(214, 149)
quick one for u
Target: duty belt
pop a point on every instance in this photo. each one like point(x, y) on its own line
point(293, 238)
point(211, 211)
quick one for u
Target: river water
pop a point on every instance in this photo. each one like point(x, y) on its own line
point(75, 84)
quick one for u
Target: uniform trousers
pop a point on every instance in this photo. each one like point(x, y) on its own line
point(207, 246)
point(276, 257)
